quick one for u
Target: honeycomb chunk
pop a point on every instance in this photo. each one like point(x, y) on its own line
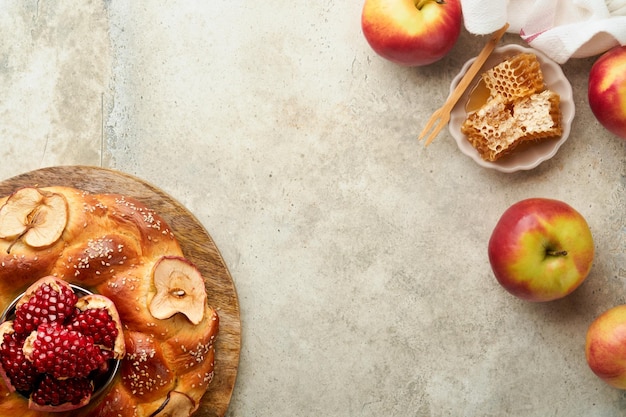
point(516, 77)
point(519, 109)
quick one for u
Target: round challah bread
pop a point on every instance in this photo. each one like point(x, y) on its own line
point(120, 250)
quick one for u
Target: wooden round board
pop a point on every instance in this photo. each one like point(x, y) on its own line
point(197, 245)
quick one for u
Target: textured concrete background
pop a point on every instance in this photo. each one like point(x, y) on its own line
point(359, 256)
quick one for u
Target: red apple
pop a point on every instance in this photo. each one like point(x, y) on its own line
point(607, 90)
point(411, 32)
point(605, 346)
point(541, 249)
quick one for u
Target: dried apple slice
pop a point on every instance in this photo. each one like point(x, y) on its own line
point(179, 289)
point(177, 404)
point(33, 216)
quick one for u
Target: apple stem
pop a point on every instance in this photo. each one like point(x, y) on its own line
point(421, 3)
point(12, 243)
point(557, 253)
point(17, 238)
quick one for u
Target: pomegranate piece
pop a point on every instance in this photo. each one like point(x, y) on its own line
point(98, 324)
point(59, 345)
point(50, 300)
point(63, 353)
point(15, 367)
point(61, 394)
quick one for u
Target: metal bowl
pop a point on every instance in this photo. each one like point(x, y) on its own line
point(101, 381)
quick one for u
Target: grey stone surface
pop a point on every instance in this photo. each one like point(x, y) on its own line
point(359, 256)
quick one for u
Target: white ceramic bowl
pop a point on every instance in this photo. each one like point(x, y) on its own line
point(530, 156)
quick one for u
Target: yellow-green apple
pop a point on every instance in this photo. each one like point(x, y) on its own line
point(541, 249)
point(607, 90)
point(411, 32)
point(605, 346)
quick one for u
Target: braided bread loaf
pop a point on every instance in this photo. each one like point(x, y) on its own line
point(117, 247)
